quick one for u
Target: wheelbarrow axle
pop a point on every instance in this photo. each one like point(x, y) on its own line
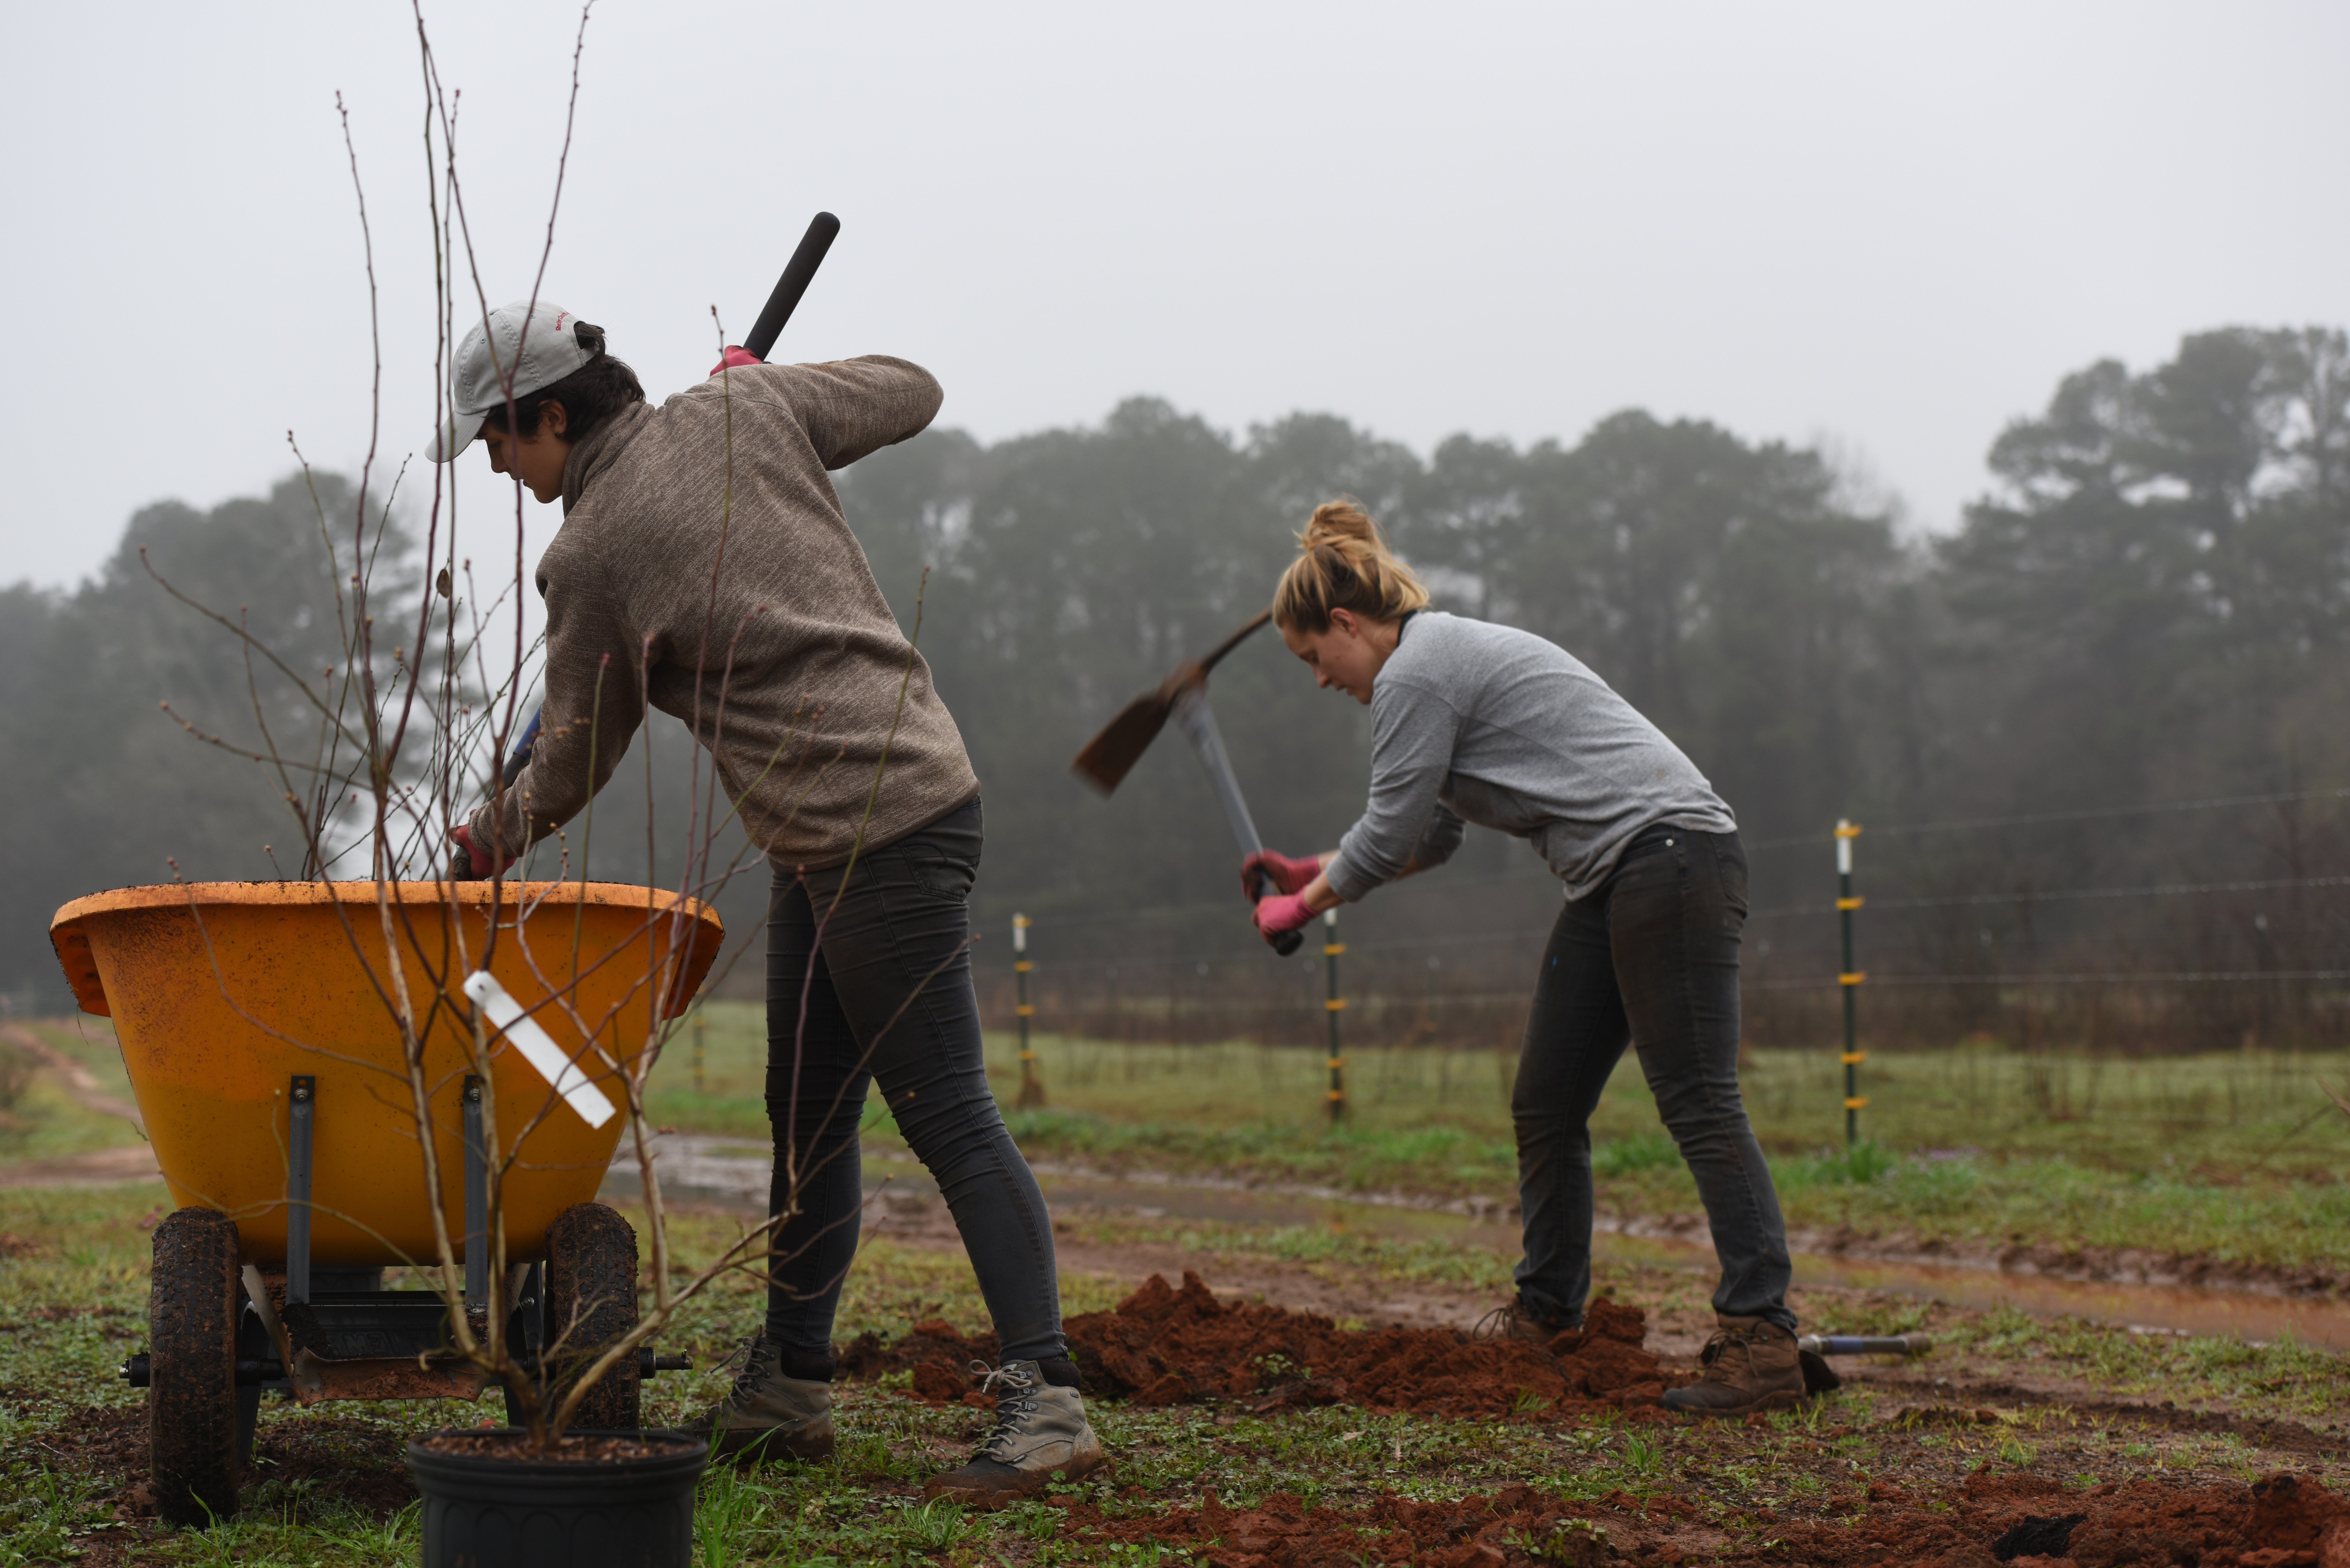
point(138, 1371)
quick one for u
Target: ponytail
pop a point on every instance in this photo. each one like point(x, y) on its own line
point(1344, 564)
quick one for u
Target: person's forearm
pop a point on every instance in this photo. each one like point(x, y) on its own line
point(1318, 895)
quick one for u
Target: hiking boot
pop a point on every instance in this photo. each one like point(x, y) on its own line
point(1750, 1365)
point(1520, 1322)
point(1040, 1435)
point(771, 1414)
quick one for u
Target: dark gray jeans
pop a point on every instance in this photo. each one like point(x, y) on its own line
point(896, 940)
point(1650, 959)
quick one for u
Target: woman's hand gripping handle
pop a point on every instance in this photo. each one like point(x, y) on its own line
point(1282, 916)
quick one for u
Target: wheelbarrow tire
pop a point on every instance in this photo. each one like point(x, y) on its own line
point(192, 1394)
point(592, 1300)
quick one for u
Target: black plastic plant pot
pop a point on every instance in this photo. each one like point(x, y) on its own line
point(501, 1506)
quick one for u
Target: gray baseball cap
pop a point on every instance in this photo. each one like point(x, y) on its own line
point(539, 343)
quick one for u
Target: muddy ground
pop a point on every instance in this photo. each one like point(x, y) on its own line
point(1271, 1411)
point(1937, 1480)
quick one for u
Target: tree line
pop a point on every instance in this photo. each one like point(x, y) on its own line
point(2149, 603)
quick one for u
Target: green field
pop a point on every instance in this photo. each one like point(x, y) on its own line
point(329, 1493)
point(2238, 1157)
point(39, 1117)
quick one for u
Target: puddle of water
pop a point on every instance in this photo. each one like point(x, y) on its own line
point(711, 1172)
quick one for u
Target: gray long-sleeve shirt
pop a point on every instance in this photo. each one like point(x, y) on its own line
point(1495, 726)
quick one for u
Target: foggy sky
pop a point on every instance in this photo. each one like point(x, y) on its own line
point(1892, 227)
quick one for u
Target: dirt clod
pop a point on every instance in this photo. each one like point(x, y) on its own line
point(1162, 1346)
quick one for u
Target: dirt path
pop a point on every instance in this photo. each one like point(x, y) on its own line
point(99, 1167)
point(2140, 1287)
point(921, 1220)
point(78, 1079)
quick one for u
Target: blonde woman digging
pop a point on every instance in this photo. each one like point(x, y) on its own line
point(1483, 723)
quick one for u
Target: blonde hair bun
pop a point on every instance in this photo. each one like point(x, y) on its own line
point(1343, 519)
point(1344, 564)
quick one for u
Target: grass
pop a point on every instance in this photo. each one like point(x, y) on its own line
point(73, 1305)
point(46, 1121)
point(1968, 1144)
point(2237, 1157)
point(2231, 1114)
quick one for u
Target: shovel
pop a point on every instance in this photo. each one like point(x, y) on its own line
point(1110, 756)
point(1183, 695)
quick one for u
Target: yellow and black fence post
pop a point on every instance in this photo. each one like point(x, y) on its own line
point(701, 1051)
point(1850, 979)
point(1031, 1088)
point(1331, 947)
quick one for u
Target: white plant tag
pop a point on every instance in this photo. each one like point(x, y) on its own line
point(537, 1048)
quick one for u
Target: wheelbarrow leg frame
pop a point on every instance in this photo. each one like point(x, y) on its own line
point(352, 1339)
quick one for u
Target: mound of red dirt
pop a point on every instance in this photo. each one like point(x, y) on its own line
point(1166, 1346)
point(2283, 1521)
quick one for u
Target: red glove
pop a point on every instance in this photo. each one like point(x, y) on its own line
point(1289, 876)
point(735, 358)
point(468, 864)
point(1280, 912)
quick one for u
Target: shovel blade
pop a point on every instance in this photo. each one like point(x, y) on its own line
point(1108, 756)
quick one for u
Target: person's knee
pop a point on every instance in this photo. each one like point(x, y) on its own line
point(811, 1123)
point(1700, 1107)
point(948, 1127)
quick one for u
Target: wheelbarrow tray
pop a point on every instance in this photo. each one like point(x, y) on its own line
point(223, 993)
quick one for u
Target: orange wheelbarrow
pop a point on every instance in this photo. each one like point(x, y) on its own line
point(257, 1024)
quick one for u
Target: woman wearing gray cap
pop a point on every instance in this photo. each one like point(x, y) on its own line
point(704, 566)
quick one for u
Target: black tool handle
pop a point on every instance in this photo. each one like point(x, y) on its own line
point(520, 758)
point(799, 272)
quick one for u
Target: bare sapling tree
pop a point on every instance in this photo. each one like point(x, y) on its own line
point(405, 736)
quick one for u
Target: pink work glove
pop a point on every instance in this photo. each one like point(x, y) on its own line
point(1289, 876)
point(735, 358)
point(468, 864)
point(1280, 912)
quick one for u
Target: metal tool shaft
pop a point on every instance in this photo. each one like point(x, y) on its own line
point(1199, 724)
point(1199, 721)
point(1864, 1345)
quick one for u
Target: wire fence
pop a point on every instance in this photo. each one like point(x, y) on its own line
point(2220, 922)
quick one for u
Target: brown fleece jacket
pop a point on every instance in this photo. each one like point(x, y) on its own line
point(756, 620)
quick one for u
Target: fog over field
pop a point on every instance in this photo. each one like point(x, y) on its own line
point(1893, 227)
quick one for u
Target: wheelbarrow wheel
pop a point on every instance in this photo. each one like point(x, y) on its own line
point(192, 1394)
point(592, 1300)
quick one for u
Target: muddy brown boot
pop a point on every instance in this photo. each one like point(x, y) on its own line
point(1041, 1435)
point(769, 1413)
point(1750, 1365)
point(1520, 1322)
